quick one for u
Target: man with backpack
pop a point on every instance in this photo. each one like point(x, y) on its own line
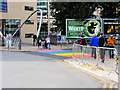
point(82, 41)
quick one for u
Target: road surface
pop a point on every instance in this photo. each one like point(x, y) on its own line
point(32, 70)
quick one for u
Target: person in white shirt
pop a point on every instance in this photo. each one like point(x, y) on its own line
point(48, 41)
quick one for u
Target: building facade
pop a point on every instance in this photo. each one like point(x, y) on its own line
point(13, 13)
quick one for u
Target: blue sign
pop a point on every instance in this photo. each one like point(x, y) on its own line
point(3, 5)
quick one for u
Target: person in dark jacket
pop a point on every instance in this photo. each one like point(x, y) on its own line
point(94, 43)
point(101, 42)
point(39, 42)
point(82, 40)
point(34, 39)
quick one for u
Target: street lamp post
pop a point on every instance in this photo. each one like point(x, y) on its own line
point(48, 17)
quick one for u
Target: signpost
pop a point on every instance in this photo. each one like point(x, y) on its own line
point(19, 25)
point(19, 46)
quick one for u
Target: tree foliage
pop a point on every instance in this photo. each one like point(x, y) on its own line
point(80, 10)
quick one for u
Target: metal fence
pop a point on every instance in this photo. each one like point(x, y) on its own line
point(15, 42)
point(12, 43)
point(94, 55)
point(66, 45)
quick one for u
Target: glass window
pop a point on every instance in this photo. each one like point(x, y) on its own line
point(38, 14)
point(29, 8)
point(29, 22)
point(29, 35)
point(41, 3)
point(44, 14)
point(11, 26)
point(42, 8)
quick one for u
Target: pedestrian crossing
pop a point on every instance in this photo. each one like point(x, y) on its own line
point(66, 53)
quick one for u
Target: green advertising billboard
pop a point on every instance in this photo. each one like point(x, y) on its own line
point(76, 28)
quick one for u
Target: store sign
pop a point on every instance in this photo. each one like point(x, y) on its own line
point(76, 28)
point(112, 26)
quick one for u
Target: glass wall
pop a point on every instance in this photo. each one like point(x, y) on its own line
point(41, 3)
point(43, 31)
point(44, 14)
point(9, 26)
point(42, 8)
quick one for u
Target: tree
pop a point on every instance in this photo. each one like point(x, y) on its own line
point(79, 10)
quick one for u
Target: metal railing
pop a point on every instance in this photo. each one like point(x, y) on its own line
point(15, 41)
point(66, 45)
point(88, 55)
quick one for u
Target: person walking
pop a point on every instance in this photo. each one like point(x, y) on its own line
point(82, 42)
point(39, 42)
point(94, 43)
point(48, 42)
point(111, 42)
point(34, 39)
point(101, 42)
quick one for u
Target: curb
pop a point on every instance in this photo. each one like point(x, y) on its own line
point(93, 73)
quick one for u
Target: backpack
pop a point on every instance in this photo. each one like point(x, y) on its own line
point(80, 42)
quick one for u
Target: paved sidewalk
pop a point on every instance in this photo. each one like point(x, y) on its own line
point(30, 47)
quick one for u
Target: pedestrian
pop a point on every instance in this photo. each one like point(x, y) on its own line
point(101, 42)
point(3, 40)
point(111, 42)
point(34, 39)
point(48, 42)
point(42, 43)
point(82, 40)
point(83, 43)
point(94, 43)
point(39, 42)
point(45, 43)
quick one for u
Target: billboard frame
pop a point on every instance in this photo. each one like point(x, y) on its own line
point(101, 21)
